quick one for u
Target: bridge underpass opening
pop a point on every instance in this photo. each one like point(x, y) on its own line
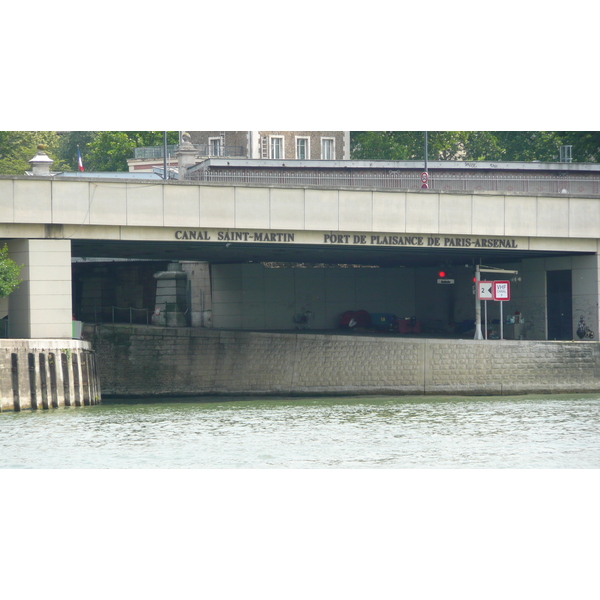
point(266, 286)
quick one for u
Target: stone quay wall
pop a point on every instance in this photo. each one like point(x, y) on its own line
point(139, 361)
point(39, 374)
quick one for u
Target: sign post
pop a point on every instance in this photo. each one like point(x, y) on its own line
point(478, 335)
point(484, 292)
point(501, 291)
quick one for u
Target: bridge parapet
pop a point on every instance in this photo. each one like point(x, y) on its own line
point(87, 205)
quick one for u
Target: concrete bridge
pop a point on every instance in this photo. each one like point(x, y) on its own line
point(551, 239)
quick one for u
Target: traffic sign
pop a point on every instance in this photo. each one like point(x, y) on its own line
point(424, 177)
point(501, 290)
point(484, 290)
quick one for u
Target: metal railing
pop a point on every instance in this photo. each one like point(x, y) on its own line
point(409, 181)
point(549, 184)
point(208, 150)
point(116, 314)
point(202, 149)
point(154, 151)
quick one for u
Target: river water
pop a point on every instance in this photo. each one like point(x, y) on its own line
point(520, 432)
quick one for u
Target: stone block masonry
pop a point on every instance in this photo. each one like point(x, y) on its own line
point(140, 361)
point(40, 374)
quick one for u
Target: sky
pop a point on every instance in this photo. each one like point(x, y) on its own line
point(326, 66)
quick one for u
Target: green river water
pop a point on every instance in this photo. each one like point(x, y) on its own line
point(352, 498)
point(520, 432)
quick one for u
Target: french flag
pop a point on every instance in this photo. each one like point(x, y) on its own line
point(79, 161)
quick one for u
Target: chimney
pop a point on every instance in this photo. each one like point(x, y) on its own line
point(41, 162)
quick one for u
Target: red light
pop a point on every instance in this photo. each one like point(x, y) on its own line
point(441, 274)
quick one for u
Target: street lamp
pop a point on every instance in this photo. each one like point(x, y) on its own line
point(165, 154)
point(425, 175)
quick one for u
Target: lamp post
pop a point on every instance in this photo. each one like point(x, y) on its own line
point(165, 154)
point(425, 175)
point(478, 334)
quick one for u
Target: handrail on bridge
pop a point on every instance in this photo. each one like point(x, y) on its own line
point(202, 149)
point(407, 181)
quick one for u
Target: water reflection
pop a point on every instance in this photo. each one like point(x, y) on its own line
point(352, 432)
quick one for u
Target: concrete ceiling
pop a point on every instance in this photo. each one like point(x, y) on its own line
point(237, 252)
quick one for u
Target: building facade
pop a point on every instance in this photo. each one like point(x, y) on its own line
point(277, 145)
point(289, 145)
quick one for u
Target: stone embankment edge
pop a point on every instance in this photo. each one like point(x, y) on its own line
point(47, 373)
point(145, 361)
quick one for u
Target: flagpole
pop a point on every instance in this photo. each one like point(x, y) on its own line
point(79, 161)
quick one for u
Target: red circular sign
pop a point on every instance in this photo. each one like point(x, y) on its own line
point(424, 177)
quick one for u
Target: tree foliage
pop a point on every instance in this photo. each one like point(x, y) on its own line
point(386, 145)
point(69, 142)
point(109, 150)
point(410, 145)
point(475, 145)
point(528, 145)
point(17, 148)
point(100, 150)
point(9, 273)
point(586, 144)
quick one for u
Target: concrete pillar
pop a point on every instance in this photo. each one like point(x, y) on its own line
point(41, 307)
point(186, 156)
point(200, 296)
point(171, 297)
point(586, 291)
point(6, 389)
point(253, 144)
point(3, 320)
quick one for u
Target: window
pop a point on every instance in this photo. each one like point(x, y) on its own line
point(214, 146)
point(328, 148)
point(302, 148)
point(276, 147)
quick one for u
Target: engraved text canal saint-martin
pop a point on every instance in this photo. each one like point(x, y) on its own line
point(346, 238)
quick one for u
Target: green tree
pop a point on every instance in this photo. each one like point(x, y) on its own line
point(68, 144)
point(109, 150)
point(17, 148)
point(9, 273)
point(410, 145)
point(100, 150)
point(480, 145)
point(386, 145)
point(586, 144)
point(529, 145)
point(475, 145)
